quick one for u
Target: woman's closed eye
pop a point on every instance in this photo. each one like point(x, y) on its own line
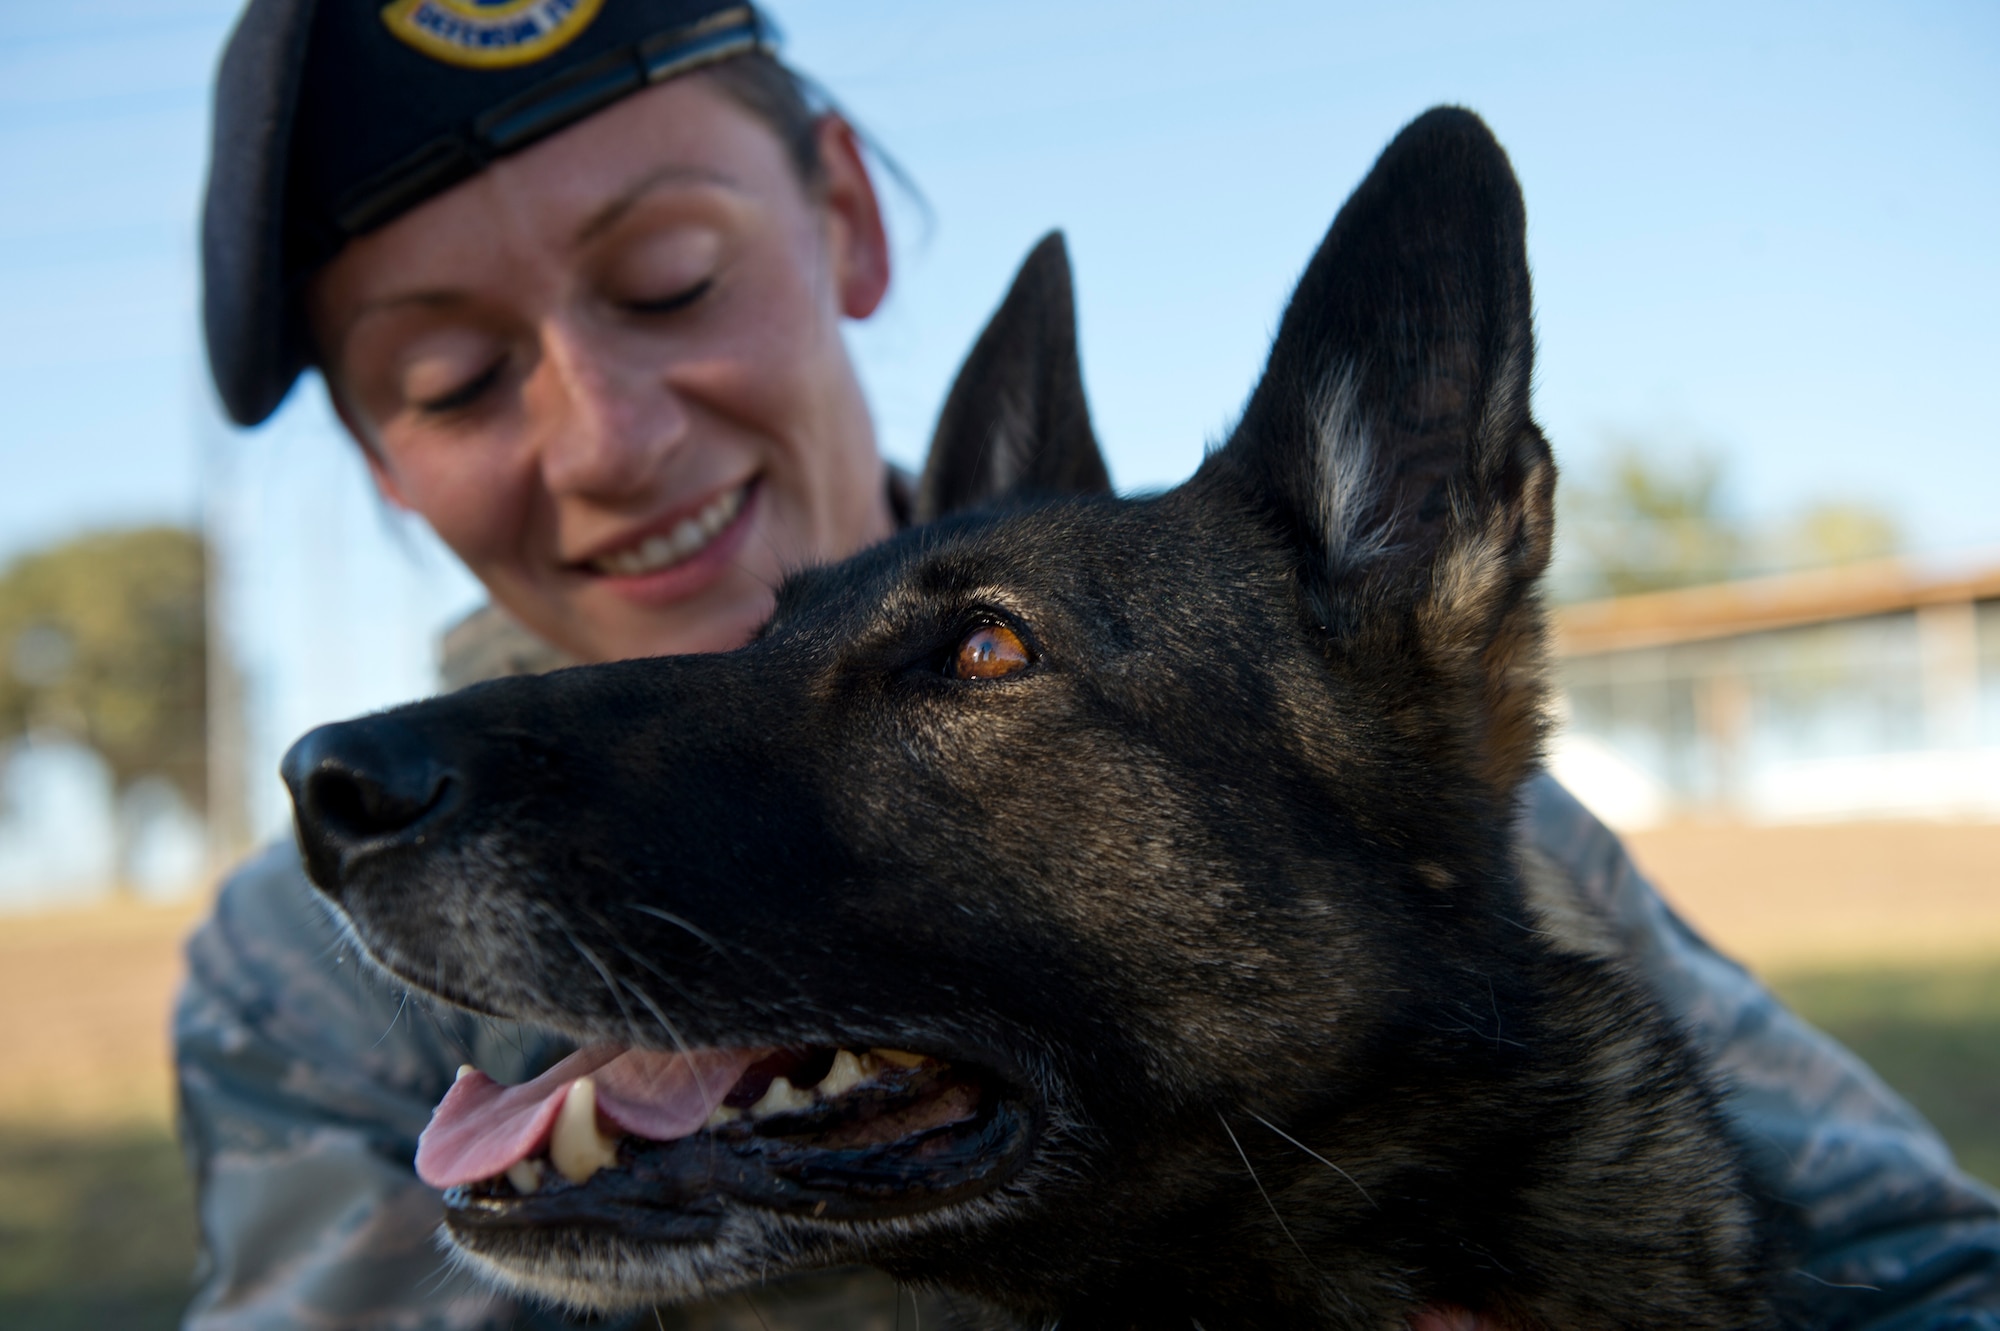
point(465, 395)
point(668, 304)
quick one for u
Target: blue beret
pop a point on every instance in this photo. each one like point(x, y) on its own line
point(333, 117)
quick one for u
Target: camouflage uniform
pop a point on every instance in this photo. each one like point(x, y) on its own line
point(305, 1079)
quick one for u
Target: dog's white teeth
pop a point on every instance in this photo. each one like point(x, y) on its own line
point(845, 1074)
point(848, 1069)
point(577, 1147)
point(779, 1098)
point(686, 540)
point(526, 1176)
point(464, 1070)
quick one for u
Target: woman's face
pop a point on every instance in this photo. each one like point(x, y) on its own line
point(609, 371)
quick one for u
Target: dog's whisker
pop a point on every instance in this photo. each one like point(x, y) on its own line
point(1315, 1155)
point(448, 1265)
point(604, 973)
point(666, 1022)
point(638, 960)
point(735, 953)
point(390, 1029)
point(679, 923)
point(736, 562)
point(756, 1312)
point(1244, 1156)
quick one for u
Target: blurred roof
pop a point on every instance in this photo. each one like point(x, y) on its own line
point(1753, 605)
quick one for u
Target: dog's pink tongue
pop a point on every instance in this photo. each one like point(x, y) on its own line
point(481, 1127)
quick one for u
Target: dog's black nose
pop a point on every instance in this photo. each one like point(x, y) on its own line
point(361, 785)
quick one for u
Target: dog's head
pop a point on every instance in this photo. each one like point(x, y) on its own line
point(1074, 822)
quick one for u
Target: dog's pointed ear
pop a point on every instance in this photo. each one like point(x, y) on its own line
point(1392, 435)
point(1016, 423)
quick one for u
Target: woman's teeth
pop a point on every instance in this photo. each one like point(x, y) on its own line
point(688, 538)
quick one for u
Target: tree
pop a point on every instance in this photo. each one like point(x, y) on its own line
point(1837, 532)
point(103, 638)
point(1651, 522)
point(1651, 517)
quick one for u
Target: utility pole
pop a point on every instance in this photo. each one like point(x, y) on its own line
point(228, 803)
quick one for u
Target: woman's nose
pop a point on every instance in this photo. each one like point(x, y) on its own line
point(610, 421)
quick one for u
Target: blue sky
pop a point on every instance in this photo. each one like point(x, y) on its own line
point(1766, 228)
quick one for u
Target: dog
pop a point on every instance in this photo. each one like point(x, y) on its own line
point(1104, 908)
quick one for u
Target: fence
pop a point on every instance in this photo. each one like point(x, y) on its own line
point(1867, 691)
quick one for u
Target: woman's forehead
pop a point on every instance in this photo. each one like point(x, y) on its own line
point(686, 132)
point(562, 195)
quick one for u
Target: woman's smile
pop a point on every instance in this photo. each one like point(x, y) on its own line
point(679, 554)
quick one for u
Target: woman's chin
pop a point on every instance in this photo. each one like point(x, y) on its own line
point(725, 617)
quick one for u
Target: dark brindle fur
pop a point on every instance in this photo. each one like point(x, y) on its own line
point(1218, 895)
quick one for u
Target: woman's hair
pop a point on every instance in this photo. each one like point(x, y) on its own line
point(783, 99)
point(791, 105)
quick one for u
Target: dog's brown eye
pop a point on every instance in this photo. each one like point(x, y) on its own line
point(989, 653)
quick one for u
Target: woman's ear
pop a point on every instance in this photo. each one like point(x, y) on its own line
point(857, 236)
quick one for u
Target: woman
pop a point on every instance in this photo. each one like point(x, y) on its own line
point(575, 275)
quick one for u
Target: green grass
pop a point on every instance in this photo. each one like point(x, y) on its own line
point(96, 1230)
point(1933, 1034)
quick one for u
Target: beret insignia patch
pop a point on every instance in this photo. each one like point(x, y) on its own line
point(489, 34)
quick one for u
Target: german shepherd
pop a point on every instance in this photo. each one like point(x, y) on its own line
point(1107, 909)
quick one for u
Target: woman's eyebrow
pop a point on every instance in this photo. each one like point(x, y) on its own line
point(438, 297)
point(603, 219)
point(402, 299)
point(608, 214)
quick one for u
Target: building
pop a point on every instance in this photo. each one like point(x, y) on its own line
point(1869, 691)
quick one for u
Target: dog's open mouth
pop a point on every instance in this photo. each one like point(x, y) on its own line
point(656, 1145)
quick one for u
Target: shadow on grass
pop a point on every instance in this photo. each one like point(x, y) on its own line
point(1933, 1034)
point(96, 1230)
